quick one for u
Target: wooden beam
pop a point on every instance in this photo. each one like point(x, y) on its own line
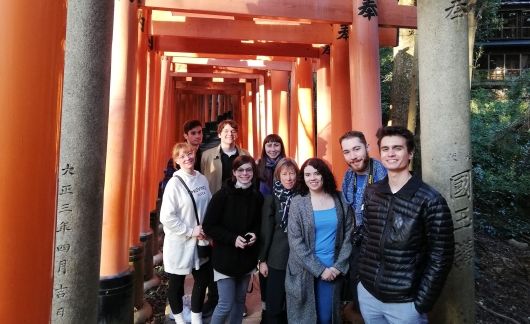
point(232, 56)
point(192, 45)
point(217, 75)
point(388, 37)
point(245, 30)
point(253, 64)
point(334, 11)
point(208, 91)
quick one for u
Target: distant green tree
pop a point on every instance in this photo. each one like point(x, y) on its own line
point(500, 128)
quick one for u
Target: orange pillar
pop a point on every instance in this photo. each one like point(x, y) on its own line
point(304, 116)
point(324, 140)
point(340, 101)
point(262, 110)
point(268, 104)
point(280, 106)
point(115, 270)
point(213, 110)
point(248, 117)
point(364, 76)
point(255, 118)
point(293, 115)
point(154, 89)
point(31, 92)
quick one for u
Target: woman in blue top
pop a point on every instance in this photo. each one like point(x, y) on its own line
point(319, 234)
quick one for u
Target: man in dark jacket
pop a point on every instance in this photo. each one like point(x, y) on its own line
point(408, 243)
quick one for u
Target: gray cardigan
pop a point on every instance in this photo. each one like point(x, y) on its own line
point(303, 266)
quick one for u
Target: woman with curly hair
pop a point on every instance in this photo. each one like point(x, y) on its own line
point(319, 234)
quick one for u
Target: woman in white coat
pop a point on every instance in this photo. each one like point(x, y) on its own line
point(182, 233)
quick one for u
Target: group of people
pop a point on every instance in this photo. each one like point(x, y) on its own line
point(386, 239)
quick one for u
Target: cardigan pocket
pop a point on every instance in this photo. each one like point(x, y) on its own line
point(295, 283)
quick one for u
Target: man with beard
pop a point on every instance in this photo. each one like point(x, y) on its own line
point(362, 171)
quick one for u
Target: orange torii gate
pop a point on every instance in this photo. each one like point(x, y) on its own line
point(285, 36)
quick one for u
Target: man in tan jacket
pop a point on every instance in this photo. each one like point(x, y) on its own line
point(216, 163)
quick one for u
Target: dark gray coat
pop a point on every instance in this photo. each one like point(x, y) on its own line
point(303, 266)
point(274, 248)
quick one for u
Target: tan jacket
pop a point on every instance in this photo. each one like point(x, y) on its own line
point(212, 168)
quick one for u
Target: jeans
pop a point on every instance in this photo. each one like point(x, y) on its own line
point(377, 312)
point(232, 293)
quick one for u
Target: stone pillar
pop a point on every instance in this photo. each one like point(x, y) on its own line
point(30, 89)
point(116, 282)
point(303, 94)
point(365, 73)
point(340, 99)
point(280, 106)
point(83, 148)
point(445, 141)
point(324, 141)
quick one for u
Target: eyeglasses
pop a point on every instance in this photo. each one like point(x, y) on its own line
point(184, 155)
point(226, 131)
point(241, 170)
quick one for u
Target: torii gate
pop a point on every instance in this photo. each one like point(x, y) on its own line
point(73, 210)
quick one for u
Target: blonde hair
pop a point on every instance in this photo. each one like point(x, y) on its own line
point(180, 148)
point(285, 163)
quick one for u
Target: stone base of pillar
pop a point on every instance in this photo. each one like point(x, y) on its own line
point(115, 300)
point(136, 260)
point(147, 241)
point(143, 314)
point(151, 283)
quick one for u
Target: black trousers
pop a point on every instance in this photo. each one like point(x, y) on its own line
point(275, 297)
point(175, 290)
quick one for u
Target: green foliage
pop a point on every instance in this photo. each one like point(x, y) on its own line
point(500, 136)
point(386, 59)
point(488, 18)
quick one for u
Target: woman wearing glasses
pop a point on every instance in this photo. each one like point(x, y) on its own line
point(232, 220)
point(181, 217)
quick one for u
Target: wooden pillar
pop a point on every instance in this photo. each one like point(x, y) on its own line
point(365, 75)
point(115, 273)
point(248, 117)
point(293, 115)
point(268, 104)
point(31, 92)
point(304, 114)
point(324, 142)
point(213, 111)
point(280, 106)
point(255, 118)
point(445, 143)
point(206, 109)
point(340, 101)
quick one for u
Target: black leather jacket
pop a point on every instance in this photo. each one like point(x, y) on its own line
point(408, 243)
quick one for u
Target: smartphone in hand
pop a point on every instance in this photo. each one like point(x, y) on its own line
point(247, 237)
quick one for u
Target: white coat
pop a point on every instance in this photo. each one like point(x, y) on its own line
point(178, 218)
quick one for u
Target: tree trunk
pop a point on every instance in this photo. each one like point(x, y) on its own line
point(472, 24)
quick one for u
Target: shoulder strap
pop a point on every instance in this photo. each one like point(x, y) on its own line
point(192, 199)
point(371, 172)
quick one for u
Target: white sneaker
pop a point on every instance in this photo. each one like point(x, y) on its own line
point(196, 318)
point(178, 318)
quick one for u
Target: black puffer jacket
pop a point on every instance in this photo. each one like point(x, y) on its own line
point(233, 212)
point(408, 243)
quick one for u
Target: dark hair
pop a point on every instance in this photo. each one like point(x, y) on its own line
point(396, 131)
point(329, 185)
point(244, 159)
point(225, 122)
point(285, 163)
point(353, 134)
point(191, 124)
point(262, 163)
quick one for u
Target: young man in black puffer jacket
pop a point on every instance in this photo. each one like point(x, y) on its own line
point(408, 242)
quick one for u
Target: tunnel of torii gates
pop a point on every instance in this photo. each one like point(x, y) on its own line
point(95, 94)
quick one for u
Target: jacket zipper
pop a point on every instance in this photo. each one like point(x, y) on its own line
point(381, 245)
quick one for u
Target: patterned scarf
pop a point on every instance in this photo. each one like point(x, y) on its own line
point(284, 196)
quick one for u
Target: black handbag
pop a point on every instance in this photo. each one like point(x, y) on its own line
point(204, 251)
